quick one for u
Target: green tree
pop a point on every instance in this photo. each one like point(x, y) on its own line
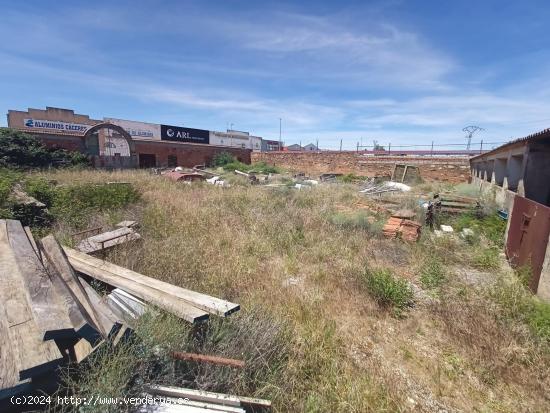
point(22, 151)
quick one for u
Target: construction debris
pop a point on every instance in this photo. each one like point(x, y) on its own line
point(180, 176)
point(372, 188)
point(402, 228)
point(451, 203)
point(108, 239)
point(446, 228)
point(199, 401)
point(222, 361)
point(49, 316)
point(405, 173)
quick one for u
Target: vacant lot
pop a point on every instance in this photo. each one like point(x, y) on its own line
point(334, 317)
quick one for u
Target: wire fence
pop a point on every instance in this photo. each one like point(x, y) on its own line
point(435, 148)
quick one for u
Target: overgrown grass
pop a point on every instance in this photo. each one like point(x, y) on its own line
point(517, 303)
point(491, 226)
point(486, 258)
point(319, 337)
point(432, 272)
point(388, 290)
point(357, 221)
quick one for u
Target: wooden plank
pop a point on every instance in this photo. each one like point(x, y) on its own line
point(33, 242)
point(55, 255)
point(203, 301)
point(48, 307)
point(33, 356)
point(127, 223)
point(208, 397)
point(162, 300)
point(9, 368)
point(107, 240)
point(108, 320)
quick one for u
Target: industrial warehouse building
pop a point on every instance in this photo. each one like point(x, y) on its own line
point(517, 175)
point(118, 143)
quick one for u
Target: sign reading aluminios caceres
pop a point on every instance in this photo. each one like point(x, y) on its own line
point(179, 134)
point(56, 125)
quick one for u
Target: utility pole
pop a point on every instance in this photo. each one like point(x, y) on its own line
point(389, 148)
point(432, 150)
point(231, 136)
point(280, 134)
point(470, 130)
point(317, 146)
point(481, 146)
point(357, 147)
point(340, 145)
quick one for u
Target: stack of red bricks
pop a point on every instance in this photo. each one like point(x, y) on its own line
point(402, 228)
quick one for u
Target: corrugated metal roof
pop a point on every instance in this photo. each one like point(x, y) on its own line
point(545, 133)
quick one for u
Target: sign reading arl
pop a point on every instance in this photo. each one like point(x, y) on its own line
point(178, 134)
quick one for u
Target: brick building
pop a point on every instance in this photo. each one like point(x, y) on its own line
point(117, 143)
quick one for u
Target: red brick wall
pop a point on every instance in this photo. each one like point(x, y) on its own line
point(444, 169)
point(188, 154)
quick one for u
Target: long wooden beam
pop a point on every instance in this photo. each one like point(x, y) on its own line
point(82, 311)
point(203, 301)
point(33, 355)
point(48, 306)
point(158, 298)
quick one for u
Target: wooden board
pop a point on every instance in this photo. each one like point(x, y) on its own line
point(208, 397)
point(108, 320)
point(33, 356)
point(128, 224)
point(48, 307)
point(203, 301)
point(162, 300)
point(107, 240)
point(33, 242)
point(55, 255)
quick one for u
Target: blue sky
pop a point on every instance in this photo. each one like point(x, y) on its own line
point(406, 72)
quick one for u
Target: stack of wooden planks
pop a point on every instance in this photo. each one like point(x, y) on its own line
point(452, 203)
point(50, 314)
point(177, 399)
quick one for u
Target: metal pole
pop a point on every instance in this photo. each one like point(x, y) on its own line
point(280, 134)
point(389, 148)
point(432, 150)
point(231, 136)
point(340, 145)
point(357, 147)
point(317, 146)
point(481, 146)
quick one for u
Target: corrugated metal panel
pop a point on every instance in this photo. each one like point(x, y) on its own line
point(528, 236)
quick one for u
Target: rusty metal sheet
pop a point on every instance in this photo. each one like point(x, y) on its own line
point(528, 236)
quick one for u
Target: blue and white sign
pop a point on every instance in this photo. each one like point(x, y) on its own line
point(56, 125)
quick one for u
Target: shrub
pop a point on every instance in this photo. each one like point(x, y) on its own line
point(388, 290)
point(75, 204)
point(23, 151)
point(486, 259)
point(432, 273)
point(518, 303)
point(492, 226)
point(223, 158)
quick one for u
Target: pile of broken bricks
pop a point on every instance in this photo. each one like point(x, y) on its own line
point(402, 228)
